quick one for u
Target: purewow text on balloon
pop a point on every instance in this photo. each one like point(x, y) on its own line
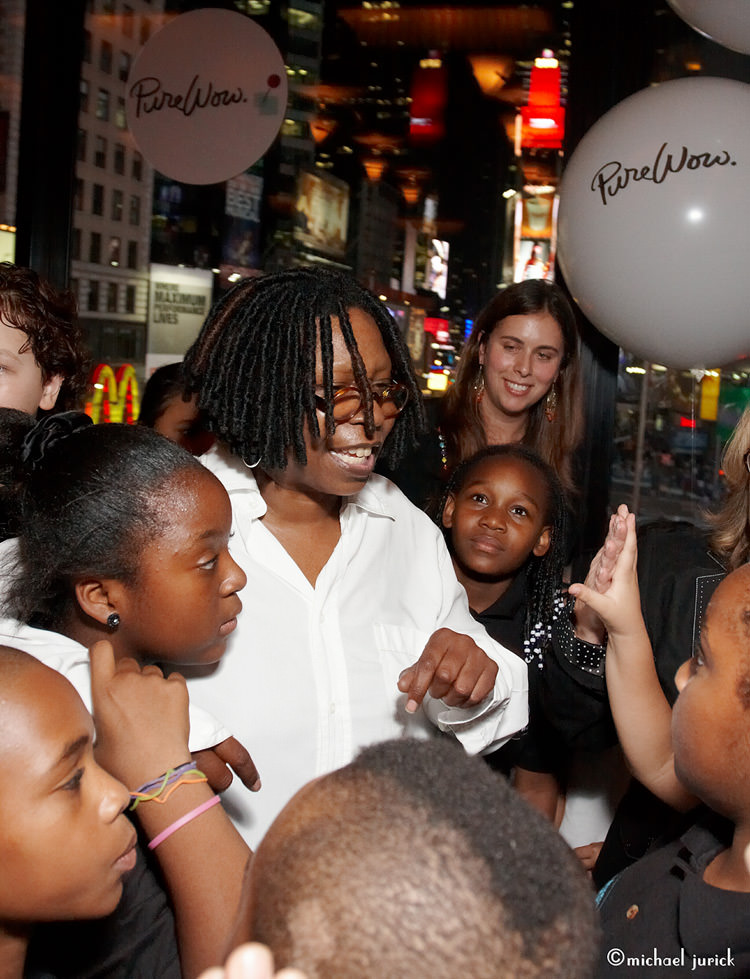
point(151, 97)
point(613, 177)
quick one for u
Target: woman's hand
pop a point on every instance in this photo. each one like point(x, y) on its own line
point(141, 717)
point(218, 763)
point(252, 961)
point(452, 668)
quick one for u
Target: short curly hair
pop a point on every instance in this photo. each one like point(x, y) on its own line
point(49, 319)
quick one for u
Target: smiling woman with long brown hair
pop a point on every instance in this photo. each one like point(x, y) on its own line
point(518, 381)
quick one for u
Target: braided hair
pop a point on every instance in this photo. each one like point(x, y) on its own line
point(253, 364)
point(544, 575)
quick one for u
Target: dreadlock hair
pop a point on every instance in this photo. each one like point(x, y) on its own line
point(544, 573)
point(253, 364)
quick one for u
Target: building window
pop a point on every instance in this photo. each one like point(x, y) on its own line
point(74, 286)
point(120, 120)
point(83, 95)
point(137, 166)
point(102, 105)
point(97, 200)
point(100, 152)
point(79, 194)
point(129, 299)
point(117, 205)
point(132, 254)
point(111, 297)
point(119, 158)
point(95, 248)
point(128, 18)
point(105, 57)
point(123, 68)
point(76, 243)
point(114, 251)
point(81, 148)
point(93, 298)
point(135, 209)
point(87, 47)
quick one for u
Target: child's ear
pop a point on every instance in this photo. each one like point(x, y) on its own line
point(97, 597)
point(50, 391)
point(542, 545)
point(450, 506)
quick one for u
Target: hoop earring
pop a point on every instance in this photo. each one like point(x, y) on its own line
point(479, 386)
point(251, 465)
point(550, 405)
point(113, 621)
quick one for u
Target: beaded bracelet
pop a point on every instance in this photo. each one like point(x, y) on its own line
point(183, 821)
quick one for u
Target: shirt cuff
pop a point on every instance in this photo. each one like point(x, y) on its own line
point(503, 712)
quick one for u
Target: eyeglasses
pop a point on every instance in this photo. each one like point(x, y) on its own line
point(392, 396)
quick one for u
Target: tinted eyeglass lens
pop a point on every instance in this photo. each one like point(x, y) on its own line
point(392, 399)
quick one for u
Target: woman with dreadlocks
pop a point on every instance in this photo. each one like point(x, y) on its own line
point(356, 628)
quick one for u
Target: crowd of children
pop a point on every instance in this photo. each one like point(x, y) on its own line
point(376, 652)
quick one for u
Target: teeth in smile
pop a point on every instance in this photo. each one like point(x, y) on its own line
point(519, 388)
point(362, 453)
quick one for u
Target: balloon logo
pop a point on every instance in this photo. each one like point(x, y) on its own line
point(654, 226)
point(725, 21)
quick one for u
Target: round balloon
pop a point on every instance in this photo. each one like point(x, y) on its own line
point(654, 224)
point(724, 21)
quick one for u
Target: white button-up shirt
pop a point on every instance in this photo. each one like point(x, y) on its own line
point(310, 674)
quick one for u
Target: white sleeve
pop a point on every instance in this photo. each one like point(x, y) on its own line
point(505, 710)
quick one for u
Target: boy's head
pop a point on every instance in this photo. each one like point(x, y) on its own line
point(65, 841)
point(711, 717)
point(418, 860)
point(265, 360)
point(44, 364)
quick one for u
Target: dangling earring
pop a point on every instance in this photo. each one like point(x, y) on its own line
point(113, 621)
point(252, 465)
point(479, 385)
point(550, 405)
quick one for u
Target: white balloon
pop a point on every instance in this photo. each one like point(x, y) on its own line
point(725, 21)
point(654, 227)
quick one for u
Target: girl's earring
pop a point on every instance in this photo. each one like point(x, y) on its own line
point(113, 621)
point(479, 385)
point(550, 405)
point(252, 465)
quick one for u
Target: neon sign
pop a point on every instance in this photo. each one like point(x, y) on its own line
point(116, 396)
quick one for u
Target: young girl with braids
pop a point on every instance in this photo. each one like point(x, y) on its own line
point(124, 536)
point(504, 517)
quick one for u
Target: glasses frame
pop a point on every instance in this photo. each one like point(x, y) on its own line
point(746, 460)
point(379, 396)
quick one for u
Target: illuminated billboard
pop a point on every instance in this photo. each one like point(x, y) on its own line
point(321, 214)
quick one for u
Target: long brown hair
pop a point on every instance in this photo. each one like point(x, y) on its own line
point(555, 441)
point(731, 524)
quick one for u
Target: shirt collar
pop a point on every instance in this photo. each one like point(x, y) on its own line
point(239, 478)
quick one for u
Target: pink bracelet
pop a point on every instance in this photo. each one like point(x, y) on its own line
point(183, 820)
